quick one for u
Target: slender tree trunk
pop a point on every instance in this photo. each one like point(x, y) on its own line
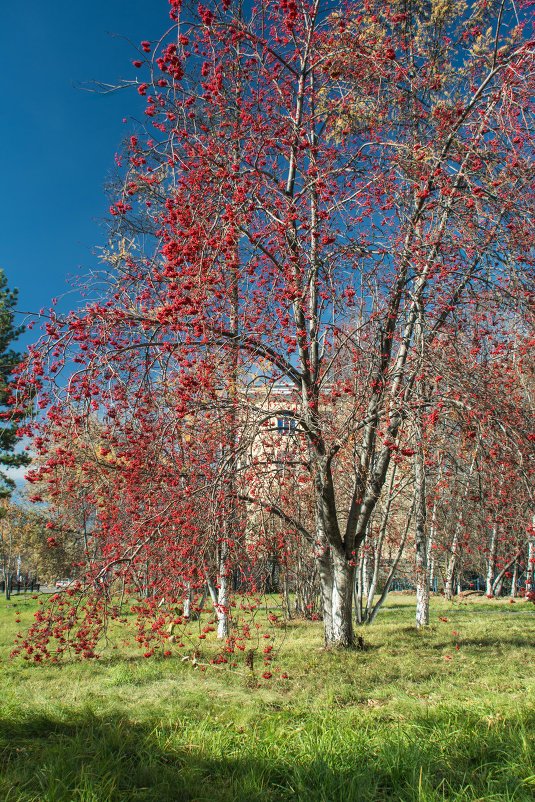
point(432, 537)
point(420, 539)
point(220, 597)
point(382, 598)
point(432, 575)
point(188, 601)
point(286, 608)
point(366, 578)
point(359, 590)
point(514, 580)
point(223, 595)
point(378, 550)
point(491, 562)
point(530, 568)
point(374, 577)
point(452, 563)
point(497, 587)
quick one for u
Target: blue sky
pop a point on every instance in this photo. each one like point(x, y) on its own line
point(58, 141)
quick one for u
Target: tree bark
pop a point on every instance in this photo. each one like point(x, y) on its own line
point(491, 563)
point(337, 577)
point(530, 570)
point(420, 539)
point(325, 571)
point(219, 593)
point(514, 580)
point(342, 602)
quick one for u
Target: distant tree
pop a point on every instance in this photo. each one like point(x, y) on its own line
point(9, 362)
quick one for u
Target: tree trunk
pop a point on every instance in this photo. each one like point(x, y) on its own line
point(432, 538)
point(378, 551)
point(337, 578)
point(325, 571)
point(448, 584)
point(497, 586)
point(366, 578)
point(219, 593)
point(188, 601)
point(432, 575)
point(514, 580)
point(452, 564)
point(286, 608)
point(491, 564)
point(420, 539)
point(359, 590)
point(342, 602)
point(530, 570)
point(382, 598)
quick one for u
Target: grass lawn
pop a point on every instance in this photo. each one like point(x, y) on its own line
point(410, 718)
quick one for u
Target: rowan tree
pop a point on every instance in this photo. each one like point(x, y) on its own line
point(480, 488)
point(312, 180)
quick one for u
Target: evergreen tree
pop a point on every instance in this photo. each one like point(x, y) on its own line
point(9, 360)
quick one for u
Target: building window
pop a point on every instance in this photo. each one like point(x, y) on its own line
point(286, 425)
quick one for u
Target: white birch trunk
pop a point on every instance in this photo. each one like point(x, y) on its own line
point(514, 580)
point(366, 579)
point(188, 601)
point(420, 541)
point(359, 594)
point(530, 570)
point(219, 594)
point(491, 563)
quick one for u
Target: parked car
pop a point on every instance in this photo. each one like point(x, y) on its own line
point(64, 583)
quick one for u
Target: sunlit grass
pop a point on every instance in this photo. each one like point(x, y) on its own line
point(411, 717)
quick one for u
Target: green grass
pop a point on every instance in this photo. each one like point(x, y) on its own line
point(398, 721)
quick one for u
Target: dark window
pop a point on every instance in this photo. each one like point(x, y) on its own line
point(286, 425)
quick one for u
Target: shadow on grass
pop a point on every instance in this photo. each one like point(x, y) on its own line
point(486, 643)
point(85, 757)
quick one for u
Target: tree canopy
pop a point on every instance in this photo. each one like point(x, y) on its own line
point(323, 198)
point(10, 362)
